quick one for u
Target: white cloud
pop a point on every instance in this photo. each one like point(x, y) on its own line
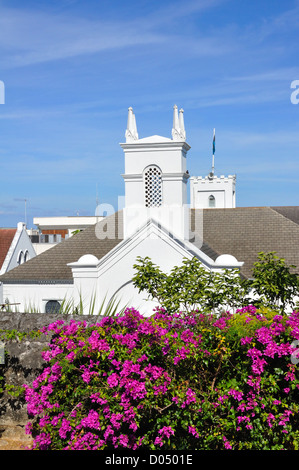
point(28, 37)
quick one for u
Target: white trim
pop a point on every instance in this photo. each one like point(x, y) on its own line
point(150, 146)
point(11, 251)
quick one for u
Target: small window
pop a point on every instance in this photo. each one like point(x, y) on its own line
point(212, 201)
point(52, 306)
point(26, 256)
point(20, 258)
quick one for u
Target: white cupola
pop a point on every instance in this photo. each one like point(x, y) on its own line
point(156, 178)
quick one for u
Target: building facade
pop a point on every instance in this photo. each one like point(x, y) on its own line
point(97, 264)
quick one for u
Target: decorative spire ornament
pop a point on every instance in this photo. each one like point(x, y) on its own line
point(176, 126)
point(131, 132)
point(182, 125)
point(178, 129)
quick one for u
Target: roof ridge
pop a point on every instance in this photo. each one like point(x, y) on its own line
point(288, 217)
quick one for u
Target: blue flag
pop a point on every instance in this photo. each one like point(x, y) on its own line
point(214, 141)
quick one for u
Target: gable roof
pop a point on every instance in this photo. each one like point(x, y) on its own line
point(6, 238)
point(51, 265)
point(242, 232)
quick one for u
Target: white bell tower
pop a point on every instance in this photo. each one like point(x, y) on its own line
point(156, 179)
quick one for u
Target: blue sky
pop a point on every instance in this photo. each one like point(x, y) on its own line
point(71, 69)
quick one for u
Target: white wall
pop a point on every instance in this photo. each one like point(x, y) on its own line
point(30, 297)
point(112, 275)
point(222, 188)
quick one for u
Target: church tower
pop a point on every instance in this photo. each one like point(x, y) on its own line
point(213, 192)
point(156, 178)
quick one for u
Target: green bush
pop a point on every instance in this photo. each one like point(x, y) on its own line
point(190, 285)
point(274, 283)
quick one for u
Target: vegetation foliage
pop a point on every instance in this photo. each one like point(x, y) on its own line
point(182, 378)
point(190, 285)
point(169, 381)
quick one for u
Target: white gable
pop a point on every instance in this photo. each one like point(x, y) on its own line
point(154, 139)
point(112, 275)
point(20, 251)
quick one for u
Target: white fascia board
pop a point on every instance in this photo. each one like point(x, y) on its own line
point(154, 146)
point(69, 222)
point(132, 177)
point(165, 176)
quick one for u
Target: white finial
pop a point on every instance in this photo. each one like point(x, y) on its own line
point(135, 128)
point(178, 129)
point(182, 125)
point(176, 125)
point(131, 132)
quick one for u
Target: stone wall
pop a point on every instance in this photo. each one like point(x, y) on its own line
point(22, 365)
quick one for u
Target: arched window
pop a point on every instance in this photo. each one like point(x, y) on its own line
point(26, 256)
point(52, 306)
point(153, 186)
point(212, 201)
point(20, 257)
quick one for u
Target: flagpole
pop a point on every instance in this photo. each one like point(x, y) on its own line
point(213, 160)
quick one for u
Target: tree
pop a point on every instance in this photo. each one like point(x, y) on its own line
point(273, 282)
point(190, 286)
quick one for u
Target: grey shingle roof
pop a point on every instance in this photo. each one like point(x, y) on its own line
point(245, 231)
point(51, 265)
point(290, 212)
point(242, 232)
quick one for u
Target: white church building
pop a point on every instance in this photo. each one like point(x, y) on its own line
point(157, 222)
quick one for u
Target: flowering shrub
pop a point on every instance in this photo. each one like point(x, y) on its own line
point(168, 382)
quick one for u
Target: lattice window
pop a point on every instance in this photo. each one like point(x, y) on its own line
point(153, 187)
